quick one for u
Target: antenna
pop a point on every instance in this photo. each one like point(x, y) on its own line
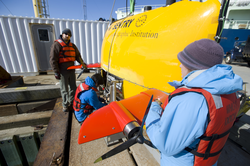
point(84, 10)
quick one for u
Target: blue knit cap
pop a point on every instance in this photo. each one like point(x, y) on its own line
point(201, 54)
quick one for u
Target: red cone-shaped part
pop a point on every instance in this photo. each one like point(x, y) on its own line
point(106, 121)
point(112, 118)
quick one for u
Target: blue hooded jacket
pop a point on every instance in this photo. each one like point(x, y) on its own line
point(184, 119)
point(88, 97)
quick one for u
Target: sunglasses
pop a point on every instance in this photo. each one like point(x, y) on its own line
point(67, 34)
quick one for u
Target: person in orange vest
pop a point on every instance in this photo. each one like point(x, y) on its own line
point(86, 97)
point(194, 125)
point(62, 55)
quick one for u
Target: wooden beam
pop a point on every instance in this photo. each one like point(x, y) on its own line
point(36, 106)
point(52, 148)
point(7, 110)
point(21, 120)
point(31, 93)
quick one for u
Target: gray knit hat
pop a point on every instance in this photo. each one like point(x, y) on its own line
point(201, 54)
point(68, 31)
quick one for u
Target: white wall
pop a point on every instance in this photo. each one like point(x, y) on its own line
point(17, 54)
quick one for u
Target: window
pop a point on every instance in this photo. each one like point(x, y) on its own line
point(43, 34)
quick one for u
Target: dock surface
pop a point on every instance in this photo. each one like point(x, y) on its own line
point(137, 155)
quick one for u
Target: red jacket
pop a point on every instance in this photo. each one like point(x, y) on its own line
point(77, 102)
point(67, 53)
point(222, 113)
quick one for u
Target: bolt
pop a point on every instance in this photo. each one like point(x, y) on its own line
point(113, 128)
point(84, 136)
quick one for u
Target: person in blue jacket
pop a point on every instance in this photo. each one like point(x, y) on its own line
point(86, 98)
point(185, 117)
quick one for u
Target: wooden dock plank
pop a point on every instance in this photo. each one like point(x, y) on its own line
point(31, 93)
point(53, 143)
point(15, 81)
point(142, 156)
point(28, 119)
point(145, 155)
point(8, 109)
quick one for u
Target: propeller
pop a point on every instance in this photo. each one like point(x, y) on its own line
point(137, 138)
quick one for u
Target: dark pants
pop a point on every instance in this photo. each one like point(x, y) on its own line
point(68, 87)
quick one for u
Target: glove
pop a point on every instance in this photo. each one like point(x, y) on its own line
point(158, 101)
point(57, 76)
point(86, 111)
point(85, 69)
point(84, 65)
point(101, 100)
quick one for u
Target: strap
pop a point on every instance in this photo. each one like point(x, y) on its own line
point(61, 42)
point(209, 147)
point(211, 140)
point(203, 155)
point(81, 104)
point(180, 93)
point(205, 138)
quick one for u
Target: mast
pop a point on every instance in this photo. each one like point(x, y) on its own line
point(41, 8)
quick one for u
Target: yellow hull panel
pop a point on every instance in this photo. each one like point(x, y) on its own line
point(142, 49)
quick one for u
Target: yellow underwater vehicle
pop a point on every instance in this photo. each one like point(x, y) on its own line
point(140, 52)
point(139, 58)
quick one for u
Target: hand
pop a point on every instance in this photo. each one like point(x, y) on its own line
point(84, 65)
point(86, 111)
point(57, 76)
point(101, 100)
point(158, 101)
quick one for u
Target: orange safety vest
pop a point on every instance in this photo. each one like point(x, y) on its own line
point(222, 113)
point(67, 53)
point(77, 102)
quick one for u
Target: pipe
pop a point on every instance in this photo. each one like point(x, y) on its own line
point(130, 129)
point(113, 91)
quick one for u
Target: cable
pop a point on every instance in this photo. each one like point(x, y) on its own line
point(110, 17)
point(6, 7)
point(223, 21)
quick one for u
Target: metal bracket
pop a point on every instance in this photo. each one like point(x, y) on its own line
point(114, 139)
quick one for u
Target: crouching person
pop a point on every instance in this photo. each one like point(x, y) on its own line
point(86, 99)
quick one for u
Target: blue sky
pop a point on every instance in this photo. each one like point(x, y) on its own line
point(70, 9)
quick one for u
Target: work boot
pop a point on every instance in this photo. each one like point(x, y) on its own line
point(65, 109)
